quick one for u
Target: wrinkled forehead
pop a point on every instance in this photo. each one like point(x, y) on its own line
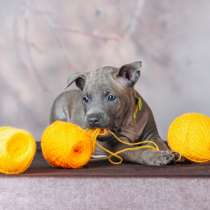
point(101, 79)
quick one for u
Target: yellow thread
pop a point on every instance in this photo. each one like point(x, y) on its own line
point(154, 146)
point(129, 149)
point(112, 154)
point(138, 145)
point(138, 108)
point(133, 144)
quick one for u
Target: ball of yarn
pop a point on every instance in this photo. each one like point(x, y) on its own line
point(67, 145)
point(189, 135)
point(17, 150)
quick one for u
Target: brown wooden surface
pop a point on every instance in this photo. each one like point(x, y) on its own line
point(40, 167)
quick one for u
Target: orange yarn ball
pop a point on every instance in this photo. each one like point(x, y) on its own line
point(66, 145)
point(189, 135)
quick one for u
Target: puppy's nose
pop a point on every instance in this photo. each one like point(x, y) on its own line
point(94, 119)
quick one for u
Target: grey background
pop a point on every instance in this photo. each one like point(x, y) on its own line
point(43, 42)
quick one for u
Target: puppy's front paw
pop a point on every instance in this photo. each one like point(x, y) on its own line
point(158, 158)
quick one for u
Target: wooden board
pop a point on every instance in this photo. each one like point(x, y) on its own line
point(40, 167)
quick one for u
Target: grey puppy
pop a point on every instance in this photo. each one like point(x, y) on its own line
point(106, 98)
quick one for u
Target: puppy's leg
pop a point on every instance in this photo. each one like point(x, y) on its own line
point(149, 157)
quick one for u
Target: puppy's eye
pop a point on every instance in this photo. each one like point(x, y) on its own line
point(111, 98)
point(85, 99)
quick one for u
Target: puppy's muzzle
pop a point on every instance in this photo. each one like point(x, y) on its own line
point(96, 119)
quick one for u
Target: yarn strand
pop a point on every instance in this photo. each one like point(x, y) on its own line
point(138, 145)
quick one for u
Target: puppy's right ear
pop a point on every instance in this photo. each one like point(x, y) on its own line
point(79, 80)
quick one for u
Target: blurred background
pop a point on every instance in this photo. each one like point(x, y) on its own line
point(43, 42)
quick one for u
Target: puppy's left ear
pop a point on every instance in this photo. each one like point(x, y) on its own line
point(129, 73)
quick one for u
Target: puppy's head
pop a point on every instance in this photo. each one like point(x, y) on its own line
point(107, 94)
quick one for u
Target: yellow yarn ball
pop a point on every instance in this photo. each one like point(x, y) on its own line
point(67, 145)
point(17, 150)
point(189, 135)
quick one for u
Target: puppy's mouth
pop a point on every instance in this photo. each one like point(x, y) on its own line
point(105, 129)
point(95, 125)
point(103, 126)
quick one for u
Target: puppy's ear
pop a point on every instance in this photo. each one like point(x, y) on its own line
point(129, 73)
point(78, 78)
